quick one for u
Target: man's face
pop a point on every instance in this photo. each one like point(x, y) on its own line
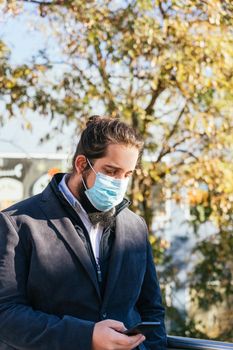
point(119, 162)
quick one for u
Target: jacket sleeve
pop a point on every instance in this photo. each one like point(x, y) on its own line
point(21, 327)
point(150, 305)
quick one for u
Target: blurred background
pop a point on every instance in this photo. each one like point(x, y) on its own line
point(165, 67)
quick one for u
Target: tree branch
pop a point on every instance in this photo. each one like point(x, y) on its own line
point(165, 148)
point(163, 13)
point(102, 70)
point(175, 124)
point(187, 152)
point(155, 94)
point(44, 3)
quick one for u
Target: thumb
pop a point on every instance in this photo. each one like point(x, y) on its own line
point(116, 325)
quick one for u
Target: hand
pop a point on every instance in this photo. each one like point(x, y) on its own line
point(107, 336)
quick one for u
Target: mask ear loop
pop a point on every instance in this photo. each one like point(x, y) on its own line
point(84, 184)
point(89, 163)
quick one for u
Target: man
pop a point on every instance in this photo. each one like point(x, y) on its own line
point(76, 267)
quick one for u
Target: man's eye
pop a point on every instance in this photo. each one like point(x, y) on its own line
point(110, 172)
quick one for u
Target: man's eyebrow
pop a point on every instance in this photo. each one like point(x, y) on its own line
point(112, 166)
point(116, 168)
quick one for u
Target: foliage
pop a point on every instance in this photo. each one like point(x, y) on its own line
point(166, 68)
point(14, 83)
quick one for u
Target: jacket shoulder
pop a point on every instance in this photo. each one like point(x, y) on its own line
point(29, 205)
point(128, 212)
point(23, 207)
point(132, 218)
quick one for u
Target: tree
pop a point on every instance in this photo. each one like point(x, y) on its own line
point(166, 68)
point(14, 84)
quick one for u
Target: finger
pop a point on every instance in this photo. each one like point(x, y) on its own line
point(117, 326)
point(129, 341)
point(133, 343)
point(137, 338)
point(140, 340)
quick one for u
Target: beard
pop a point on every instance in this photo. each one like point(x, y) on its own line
point(86, 204)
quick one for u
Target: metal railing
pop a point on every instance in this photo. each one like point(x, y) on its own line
point(197, 344)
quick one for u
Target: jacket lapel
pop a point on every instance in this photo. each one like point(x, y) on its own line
point(53, 210)
point(117, 254)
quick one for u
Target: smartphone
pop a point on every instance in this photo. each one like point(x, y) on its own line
point(142, 328)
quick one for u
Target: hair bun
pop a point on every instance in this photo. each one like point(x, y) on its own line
point(94, 119)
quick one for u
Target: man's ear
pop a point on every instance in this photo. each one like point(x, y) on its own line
point(80, 163)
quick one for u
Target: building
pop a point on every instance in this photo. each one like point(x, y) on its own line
point(23, 176)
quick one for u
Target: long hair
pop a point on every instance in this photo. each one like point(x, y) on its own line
point(101, 132)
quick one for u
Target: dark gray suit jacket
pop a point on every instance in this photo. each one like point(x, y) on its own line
point(49, 293)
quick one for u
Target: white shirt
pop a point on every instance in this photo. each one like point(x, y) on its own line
point(95, 232)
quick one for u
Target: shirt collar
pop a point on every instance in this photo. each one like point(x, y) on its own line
point(62, 186)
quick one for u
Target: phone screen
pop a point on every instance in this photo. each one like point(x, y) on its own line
point(142, 328)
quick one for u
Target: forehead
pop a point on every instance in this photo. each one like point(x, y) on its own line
point(120, 156)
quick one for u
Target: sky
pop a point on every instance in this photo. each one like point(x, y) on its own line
point(24, 42)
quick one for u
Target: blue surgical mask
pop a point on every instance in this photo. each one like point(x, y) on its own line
point(106, 192)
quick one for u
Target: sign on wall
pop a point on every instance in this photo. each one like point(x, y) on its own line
point(11, 191)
